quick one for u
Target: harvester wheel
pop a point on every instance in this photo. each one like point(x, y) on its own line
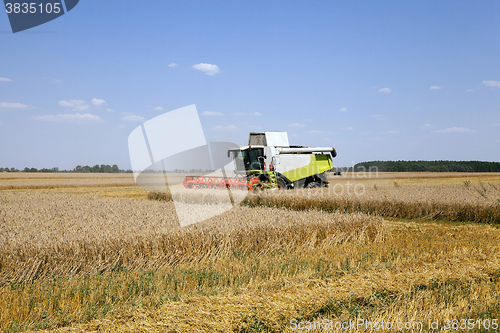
point(313, 185)
point(282, 184)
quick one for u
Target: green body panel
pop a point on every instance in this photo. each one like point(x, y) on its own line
point(319, 164)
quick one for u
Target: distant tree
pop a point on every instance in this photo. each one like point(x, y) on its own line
point(430, 166)
point(103, 168)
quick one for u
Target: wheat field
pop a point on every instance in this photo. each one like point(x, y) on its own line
point(474, 202)
point(30, 181)
point(106, 258)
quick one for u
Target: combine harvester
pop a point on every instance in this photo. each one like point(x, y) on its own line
point(270, 162)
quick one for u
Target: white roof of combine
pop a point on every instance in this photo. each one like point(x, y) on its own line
point(277, 139)
point(305, 150)
point(246, 147)
point(287, 150)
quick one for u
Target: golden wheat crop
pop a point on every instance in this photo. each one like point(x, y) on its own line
point(475, 203)
point(422, 271)
point(31, 181)
point(88, 263)
point(466, 202)
point(49, 235)
point(412, 178)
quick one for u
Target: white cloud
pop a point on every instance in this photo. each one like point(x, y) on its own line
point(229, 127)
point(455, 130)
point(73, 102)
point(76, 104)
point(258, 114)
point(208, 69)
point(491, 84)
point(349, 128)
point(110, 110)
point(4, 79)
point(158, 108)
point(435, 88)
point(81, 107)
point(86, 117)
point(384, 90)
point(320, 132)
point(13, 105)
point(211, 113)
point(65, 103)
point(172, 65)
point(392, 132)
point(470, 90)
point(343, 110)
point(297, 125)
point(377, 116)
point(98, 101)
point(133, 117)
point(426, 126)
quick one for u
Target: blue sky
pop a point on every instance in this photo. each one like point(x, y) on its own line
point(377, 80)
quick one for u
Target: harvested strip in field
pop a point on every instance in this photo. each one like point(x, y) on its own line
point(33, 181)
point(252, 311)
point(49, 235)
point(61, 186)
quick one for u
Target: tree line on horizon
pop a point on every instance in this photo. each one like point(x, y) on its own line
point(103, 168)
point(428, 166)
point(380, 166)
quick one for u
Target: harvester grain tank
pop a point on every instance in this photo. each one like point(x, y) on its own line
point(268, 161)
